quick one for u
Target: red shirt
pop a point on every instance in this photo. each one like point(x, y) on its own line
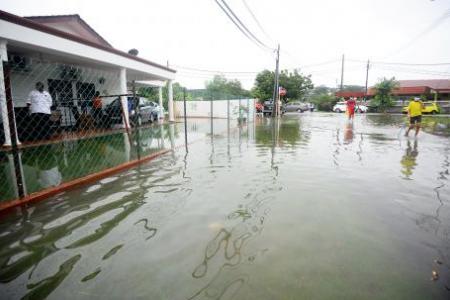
point(351, 104)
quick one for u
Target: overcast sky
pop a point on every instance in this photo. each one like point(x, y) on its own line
point(198, 34)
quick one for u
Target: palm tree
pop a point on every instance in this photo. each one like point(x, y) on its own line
point(383, 93)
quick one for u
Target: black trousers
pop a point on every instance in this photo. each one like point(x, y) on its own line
point(40, 126)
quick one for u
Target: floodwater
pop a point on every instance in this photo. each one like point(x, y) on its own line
point(311, 207)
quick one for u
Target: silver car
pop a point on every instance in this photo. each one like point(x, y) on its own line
point(296, 107)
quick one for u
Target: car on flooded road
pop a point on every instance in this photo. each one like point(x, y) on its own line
point(268, 108)
point(140, 110)
point(296, 107)
point(429, 108)
point(341, 106)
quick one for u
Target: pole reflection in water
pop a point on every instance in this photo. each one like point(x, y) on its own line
point(228, 127)
point(162, 135)
point(12, 182)
point(126, 141)
point(337, 149)
point(360, 149)
point(172, 137)
point(230, 250)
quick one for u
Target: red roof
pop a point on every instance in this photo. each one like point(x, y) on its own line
point(435, 84)
point(418, 87)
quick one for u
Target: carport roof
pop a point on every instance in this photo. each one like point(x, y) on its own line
point(68, 36)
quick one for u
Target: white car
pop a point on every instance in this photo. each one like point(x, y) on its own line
point(342, 107)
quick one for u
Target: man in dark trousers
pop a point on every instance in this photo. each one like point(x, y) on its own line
point(40, 102)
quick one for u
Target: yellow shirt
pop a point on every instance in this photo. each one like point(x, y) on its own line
point(415, 108)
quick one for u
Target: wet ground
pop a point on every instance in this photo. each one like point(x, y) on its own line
point(311, 207)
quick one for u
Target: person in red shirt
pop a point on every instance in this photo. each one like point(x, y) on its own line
point(351, 103)
point(97, 107)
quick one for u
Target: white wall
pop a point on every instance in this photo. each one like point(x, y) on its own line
point(202, 109)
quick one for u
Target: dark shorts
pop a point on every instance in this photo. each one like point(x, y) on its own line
point(415, 120)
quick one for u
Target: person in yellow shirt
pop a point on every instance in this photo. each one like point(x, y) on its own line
point(415, 115)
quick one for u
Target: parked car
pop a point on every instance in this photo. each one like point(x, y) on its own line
point(341, 106)
point(296, 106)
point(429, 108)
point(147, 106)
point(268, 108)
point(147, 111)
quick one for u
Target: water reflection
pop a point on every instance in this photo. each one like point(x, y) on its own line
point(288, 132)
point(118, 235)
point(408, 160)
point(229, 250)
point(348, 133)
point(54, 233)
point(50, 165)
point(43, 164)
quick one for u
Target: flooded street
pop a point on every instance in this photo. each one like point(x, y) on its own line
point(311, 207)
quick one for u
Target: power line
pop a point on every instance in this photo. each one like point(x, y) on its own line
point(242, 28)
point(402, 63)
point(215, 71)
point(427, 30)
point(253, 72)
point(414, 71)
point(256, 20)
point(245, 27)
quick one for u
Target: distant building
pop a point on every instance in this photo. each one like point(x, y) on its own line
point(428, 88)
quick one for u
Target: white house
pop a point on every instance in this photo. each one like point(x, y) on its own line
point(71, 59)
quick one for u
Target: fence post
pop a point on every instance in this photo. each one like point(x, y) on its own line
point(228, 126)
point(139, 121)
point(212, 115)
point(170, 101)
point(248, 111)
point(12, 129)
point(185, 120)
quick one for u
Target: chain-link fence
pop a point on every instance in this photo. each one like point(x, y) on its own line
point(63, 123)
point(60, 122)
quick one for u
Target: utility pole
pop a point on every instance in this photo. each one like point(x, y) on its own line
point(367, 78)
point(342, 73)
point(275, 89)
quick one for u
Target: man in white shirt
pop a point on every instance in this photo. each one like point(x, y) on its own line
point(40, 102)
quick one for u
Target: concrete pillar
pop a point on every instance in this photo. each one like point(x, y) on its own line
point(170, 102)
point(161, 115)
point(3, 109)
point(123, 99)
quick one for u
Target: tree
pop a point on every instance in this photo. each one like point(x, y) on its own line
point(296, 85)
point(264, 83)
point(383, 93)
point(353, 88)
point(323, 97)
point(222, 88)
point(152, 93)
